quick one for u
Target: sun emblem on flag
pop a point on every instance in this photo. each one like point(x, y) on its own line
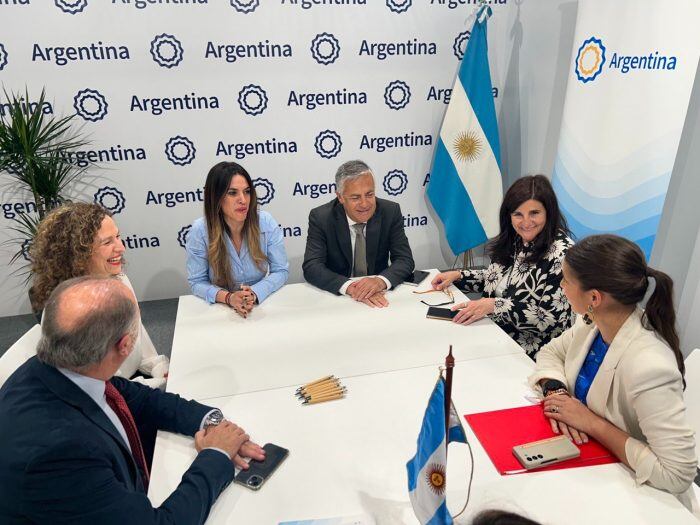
point(436, 478)
point(467, 146)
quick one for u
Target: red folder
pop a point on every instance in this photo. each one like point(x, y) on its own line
point(499, 431)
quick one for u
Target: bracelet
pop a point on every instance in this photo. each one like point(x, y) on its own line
point(562, 391)
point(228, 296)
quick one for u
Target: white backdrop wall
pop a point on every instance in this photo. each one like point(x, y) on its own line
point(171, 50)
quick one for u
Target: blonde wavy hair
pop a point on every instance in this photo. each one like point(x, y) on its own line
point(63, 246)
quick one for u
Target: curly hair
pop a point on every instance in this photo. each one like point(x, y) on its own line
point(63, 246)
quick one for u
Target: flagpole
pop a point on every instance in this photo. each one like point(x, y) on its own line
point(449, 365)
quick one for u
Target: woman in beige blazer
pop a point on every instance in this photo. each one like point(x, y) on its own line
point(617, 374)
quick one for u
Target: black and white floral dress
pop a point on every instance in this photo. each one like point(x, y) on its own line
point(533, 308)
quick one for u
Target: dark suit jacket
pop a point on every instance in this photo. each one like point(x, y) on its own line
point(328, 257)
point(62, 460)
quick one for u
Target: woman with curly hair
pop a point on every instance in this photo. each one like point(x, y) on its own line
point(235, 253)
point(520, 287)
point(79, 239)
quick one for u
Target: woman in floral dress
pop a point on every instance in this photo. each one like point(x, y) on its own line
point(520, 287)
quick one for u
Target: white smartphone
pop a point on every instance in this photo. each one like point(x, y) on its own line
point(546, 452)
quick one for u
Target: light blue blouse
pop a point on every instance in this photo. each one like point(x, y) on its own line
point(263, 283)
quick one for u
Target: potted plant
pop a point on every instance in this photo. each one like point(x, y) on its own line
point(37, 150)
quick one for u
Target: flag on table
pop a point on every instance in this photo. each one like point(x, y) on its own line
point(465, 186)
point(427, 470)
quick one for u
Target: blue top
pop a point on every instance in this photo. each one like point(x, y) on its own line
point(263, 283)
point(596, 354)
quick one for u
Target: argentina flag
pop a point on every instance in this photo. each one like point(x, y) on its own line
point(465, 186)
point(427, 470)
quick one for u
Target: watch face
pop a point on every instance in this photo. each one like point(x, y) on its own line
point(214, 418)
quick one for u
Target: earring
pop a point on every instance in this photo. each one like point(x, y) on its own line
point(589, 317)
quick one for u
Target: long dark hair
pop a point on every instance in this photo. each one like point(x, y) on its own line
point(537, 187)
point(617, 266)
point(218, 182)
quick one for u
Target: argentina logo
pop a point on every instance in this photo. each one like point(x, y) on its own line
point(166, 50)
point(264, 189)
point(71, 6)
point(182, 235)
point(90, 104)
point(460, 44)
point(325, 48)
point(3, 57)
point(590, 59)
point(180, 150)
point(245, 6)
point(252, 99)
point(110, 198)
point(398, 6)
point(395, 182)
point(328, 144)
point(397, 94)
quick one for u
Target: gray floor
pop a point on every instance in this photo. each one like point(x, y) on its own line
point(157, 316)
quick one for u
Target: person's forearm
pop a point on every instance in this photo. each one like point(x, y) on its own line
point(610, 437)
point(221, 296)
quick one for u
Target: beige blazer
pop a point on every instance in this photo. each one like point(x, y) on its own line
point(638, 388)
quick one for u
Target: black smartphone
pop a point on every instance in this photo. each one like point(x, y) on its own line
point(444, 314)
point(259, 471)
point(417, 277)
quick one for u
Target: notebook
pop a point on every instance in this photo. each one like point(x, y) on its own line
point(500, 430)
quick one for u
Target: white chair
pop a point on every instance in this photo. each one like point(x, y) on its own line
point(19, 352)
point(692, 399)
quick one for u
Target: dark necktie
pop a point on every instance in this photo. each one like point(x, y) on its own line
point(118, 404)
point(360, 260)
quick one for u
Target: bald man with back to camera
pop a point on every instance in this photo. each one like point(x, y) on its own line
point(71, 431)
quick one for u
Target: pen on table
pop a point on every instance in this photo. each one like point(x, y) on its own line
point(320, 387)
point(320, 380)
point(326, 393)
point(314, 400)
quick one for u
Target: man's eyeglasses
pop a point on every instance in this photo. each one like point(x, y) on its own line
point(445, 291)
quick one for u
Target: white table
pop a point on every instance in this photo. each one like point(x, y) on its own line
point(348, 457)
point(301, 333)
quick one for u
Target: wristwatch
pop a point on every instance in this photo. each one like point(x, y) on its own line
point(213, 418)
point(552, 386)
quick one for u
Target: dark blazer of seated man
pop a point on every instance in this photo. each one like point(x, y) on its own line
point(334, 255)
point(69, 430)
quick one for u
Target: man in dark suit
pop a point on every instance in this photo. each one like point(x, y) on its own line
point(71, 450)
point(352, 238)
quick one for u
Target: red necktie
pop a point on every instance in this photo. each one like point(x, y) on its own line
point(118, 404)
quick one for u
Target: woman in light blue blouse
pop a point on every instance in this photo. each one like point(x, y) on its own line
point(235, 253)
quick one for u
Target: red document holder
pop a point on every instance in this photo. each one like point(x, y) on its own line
point(499, 431)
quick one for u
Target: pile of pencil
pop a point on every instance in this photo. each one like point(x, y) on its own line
point(324, 389)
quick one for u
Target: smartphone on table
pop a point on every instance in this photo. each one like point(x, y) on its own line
point(416, 277)
point(443, 314)
point(546, 452)
point(260, 471)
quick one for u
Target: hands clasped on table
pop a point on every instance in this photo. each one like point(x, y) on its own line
point(242, 301)
point(369, 290)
